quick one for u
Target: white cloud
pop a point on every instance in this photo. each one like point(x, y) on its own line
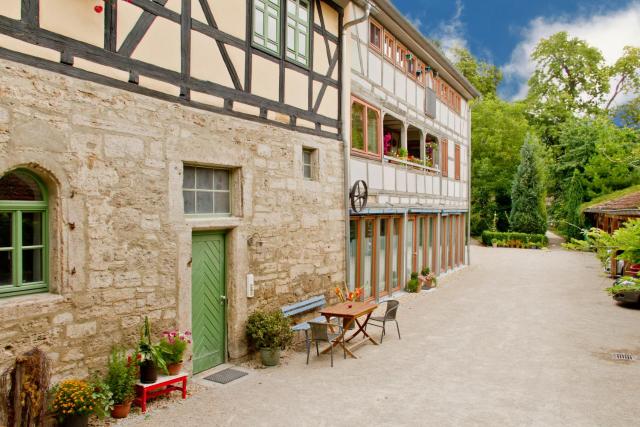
point(451, 33)
point(608, 31)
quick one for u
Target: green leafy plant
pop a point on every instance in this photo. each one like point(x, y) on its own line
point(121, 376)
point(413, 285)
point(173, 345)
point(79, 397)
point(403, 153)
point(489, 236)
point(625, 241)
point(625, 284)
point(269, 329)
point(528, 213)
point(147, 350)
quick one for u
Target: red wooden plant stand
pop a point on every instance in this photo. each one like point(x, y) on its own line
point(164, 385)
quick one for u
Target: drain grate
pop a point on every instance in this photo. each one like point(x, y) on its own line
point(623, 356)
point(226, 376)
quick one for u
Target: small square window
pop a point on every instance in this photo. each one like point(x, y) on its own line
point(206, 191)
point(310, 164)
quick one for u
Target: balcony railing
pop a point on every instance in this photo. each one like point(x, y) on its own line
point(408, 164)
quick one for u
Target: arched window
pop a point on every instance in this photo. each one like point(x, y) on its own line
point(23, 234)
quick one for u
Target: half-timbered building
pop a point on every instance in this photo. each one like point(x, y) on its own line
point(177, 159)
point(408, 130)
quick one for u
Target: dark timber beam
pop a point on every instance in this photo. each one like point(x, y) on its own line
point(108, 81)
point(223, 49)
point(98, 55)
point(110, 25)
point(185, 48)
point(30, 12)
point(248, 56)
point(139, 30)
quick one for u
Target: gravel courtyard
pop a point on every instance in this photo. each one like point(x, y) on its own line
point(521, 337)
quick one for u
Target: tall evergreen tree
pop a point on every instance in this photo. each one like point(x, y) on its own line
point(574, 196)
point(528, 214)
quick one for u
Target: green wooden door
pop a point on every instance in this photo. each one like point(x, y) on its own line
point(208, 295)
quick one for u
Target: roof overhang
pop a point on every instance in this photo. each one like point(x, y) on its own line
point(390, 17)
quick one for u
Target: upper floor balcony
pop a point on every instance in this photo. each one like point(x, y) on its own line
point(403, 164)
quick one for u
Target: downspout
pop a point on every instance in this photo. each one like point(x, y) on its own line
point(469, 188)
point(346, 130)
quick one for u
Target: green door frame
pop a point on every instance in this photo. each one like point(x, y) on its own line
point(206, 236)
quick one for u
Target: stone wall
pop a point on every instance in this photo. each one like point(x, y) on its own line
point(120, 244)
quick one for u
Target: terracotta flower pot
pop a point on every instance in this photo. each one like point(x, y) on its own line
point(174, 368)
point(121, 410)
point(75, 421)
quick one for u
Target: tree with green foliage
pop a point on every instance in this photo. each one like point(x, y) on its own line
point(572, 79)
point(572, 224)
point(629, 114)
point(484, 76)
point(528, 214)
point(498, 131)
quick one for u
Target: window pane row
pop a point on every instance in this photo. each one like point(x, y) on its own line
point(266, 28)
point(365, 126)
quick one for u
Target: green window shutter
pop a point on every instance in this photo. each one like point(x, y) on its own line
point(266, 25)
point(298, 22)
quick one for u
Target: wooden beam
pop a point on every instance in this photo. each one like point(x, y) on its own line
point(108, 81)
point(110, 25)
point(283, 53)
point(248, 56)
point(322, 25)
point(340, 73)
point(185, 48)
point(98, 55)
point(139, 30)
point(323, 89)
point(30, 12)
point(325, 33)
point(310, 76)
point(221, 46)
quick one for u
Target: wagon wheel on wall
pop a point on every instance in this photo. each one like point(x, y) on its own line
point(359, 195)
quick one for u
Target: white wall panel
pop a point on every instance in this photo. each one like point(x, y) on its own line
point(389, 177)
point(375, 176)
point(411, 182)
point(357, 170)
point(401, 180)
point(388, 72)
point(375, 68)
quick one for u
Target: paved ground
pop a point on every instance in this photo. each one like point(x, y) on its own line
point(521, 337)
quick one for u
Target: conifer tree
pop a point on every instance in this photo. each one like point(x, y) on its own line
point(573, 199)
point(528, 214)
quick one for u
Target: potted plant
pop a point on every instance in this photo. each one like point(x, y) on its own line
point(173, 346)
point(413, 285)
point(494, 243)
point(121, 379)
point(403, 153)
point(269, 332)
point(428, 278)
point(73, 401)
point(149, 356)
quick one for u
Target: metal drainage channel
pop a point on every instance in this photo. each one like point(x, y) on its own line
point(623, 356)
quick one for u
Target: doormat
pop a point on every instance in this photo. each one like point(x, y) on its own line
point(226, 376)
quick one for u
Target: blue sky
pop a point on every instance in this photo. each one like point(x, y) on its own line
point(505, 31)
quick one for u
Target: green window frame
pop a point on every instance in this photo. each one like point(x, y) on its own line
point(19, 221)
point(298, 22)
point(266, 25)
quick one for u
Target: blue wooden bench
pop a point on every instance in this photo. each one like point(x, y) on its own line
point(310, 304)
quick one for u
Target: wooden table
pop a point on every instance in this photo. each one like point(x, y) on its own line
point(349, 312)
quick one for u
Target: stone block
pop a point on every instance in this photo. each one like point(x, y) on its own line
point(62, 318)
point(80, 330)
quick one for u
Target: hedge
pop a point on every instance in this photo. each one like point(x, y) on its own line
point(488, 236)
